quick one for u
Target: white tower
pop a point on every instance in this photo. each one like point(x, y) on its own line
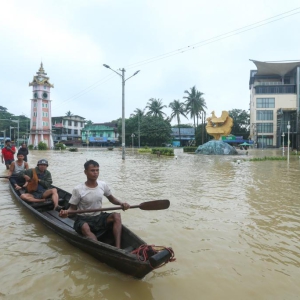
point(40, 124)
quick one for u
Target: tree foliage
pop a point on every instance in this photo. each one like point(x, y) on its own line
point(155, 107)
point(241, 122)
point(195, 103)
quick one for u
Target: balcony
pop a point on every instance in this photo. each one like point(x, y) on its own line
point(268, 83)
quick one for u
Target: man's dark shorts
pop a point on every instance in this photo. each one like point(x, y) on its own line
point(38, 194)
point(97, 223)
point(9, 161)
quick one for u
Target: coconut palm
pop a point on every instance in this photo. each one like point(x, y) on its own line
point(194, 103)
point(178, 109)
point(155, 107)
point(69, 114)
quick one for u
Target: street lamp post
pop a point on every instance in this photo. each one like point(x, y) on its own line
point(283, 144)
point(123, 104)
point(132, 136)
point(10, 128)
point(288, 143)
point(139, 130)
point(17, 121)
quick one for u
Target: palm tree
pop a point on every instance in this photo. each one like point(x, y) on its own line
point(195, 104)
point(178, 109)
point(69, 114)
point(155, 107)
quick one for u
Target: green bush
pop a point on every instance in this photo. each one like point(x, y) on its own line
point(189, 149)
point(42, 146)
point(163, 151)
point(268, 158)
point(144, 150)
point(73, 149)
point(30, 147)
point(60, 146)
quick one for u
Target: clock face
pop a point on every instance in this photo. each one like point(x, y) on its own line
point(35, 95)
point(45, 95)
point(40, 78)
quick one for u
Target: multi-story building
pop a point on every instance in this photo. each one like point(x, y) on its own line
point(100, 134)
point(67, 129)
point(40, 125)
point(275, 101)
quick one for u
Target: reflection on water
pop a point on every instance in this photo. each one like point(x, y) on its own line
point(234, 229)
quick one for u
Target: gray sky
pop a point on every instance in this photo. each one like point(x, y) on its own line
point(74, 38)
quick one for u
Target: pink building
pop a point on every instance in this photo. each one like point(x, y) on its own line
point(40, 124)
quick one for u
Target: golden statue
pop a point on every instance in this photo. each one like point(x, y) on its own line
point(217, 127)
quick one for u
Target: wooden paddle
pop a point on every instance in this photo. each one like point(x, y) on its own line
point(149, 205)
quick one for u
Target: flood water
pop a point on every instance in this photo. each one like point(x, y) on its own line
point(234, 228)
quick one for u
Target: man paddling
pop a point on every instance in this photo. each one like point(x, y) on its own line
point(39, 184)
point(89, 195)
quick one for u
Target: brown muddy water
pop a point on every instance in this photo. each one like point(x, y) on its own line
point(234, 227)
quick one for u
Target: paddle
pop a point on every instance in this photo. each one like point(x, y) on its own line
point(149, 205)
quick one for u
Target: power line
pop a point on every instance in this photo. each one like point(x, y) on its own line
point(86, 90)
point(187, 48)
point(213, 39)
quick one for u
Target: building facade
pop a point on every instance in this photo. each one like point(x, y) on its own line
point(40, 124)
point(100, 134)
point(185, 137)
point(67, 129)
point(275, 101)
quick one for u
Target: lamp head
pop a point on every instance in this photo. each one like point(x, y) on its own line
point(106, 66)
point(136, 72)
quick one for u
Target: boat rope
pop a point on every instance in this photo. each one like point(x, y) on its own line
point(144, 252)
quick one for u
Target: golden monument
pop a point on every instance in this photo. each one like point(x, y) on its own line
point(217, 127)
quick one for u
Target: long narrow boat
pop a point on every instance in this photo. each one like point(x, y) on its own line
point(121, 259)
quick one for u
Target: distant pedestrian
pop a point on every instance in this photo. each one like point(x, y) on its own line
point(158, 153)
point(8, 154)
point(24, 150)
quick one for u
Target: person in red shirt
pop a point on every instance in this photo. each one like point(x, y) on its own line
point(8, 154)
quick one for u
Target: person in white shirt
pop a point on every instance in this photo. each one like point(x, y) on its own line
point(89, 195)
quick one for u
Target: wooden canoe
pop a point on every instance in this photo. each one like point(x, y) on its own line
point(103, 250)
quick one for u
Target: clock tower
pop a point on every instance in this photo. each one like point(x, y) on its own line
point(40, 123)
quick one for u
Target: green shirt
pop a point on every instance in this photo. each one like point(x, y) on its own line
point(45, 182)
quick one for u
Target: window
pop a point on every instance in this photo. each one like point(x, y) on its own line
point(69, 131)
point(283, 89)
point(45, 114)
point(75, 131)
point(70, 123)
point(264, 115)
point(75, 123)
point(109, 135)
point(33, 123)
point(35, 114)
point(45, 105)
point(264, 127)
point(45, 123)
point(45, 87)
point(34, 104)
point(265, 102)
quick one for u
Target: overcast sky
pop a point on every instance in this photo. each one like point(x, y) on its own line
point(74, 38)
